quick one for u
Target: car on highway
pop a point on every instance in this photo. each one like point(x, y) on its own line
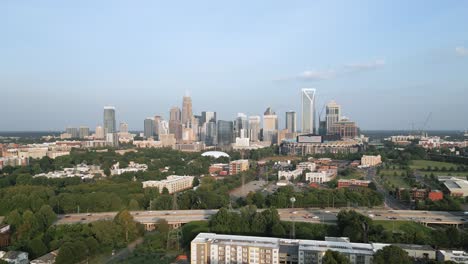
point(327, 212)
point(438, 219)
point(371, 215)
point(465, 213)
point(83, 219)
point(294, 212)
point(67, 216)
point(315, 217)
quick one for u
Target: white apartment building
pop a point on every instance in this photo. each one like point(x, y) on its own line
point(132, 167)
point(456, 256)
point(306, 166)
point(289, 175)
point(319, 177)
point(371, 161)
point(173, 183)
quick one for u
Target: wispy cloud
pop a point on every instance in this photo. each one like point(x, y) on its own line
point(461, 51)
point(364, 66)
point(317, 75)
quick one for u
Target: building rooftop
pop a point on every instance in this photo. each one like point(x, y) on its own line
point(215, 154)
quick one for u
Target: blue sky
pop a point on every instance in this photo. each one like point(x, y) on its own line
point(388, 63)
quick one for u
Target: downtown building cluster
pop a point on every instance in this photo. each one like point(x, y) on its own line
point(187, 131)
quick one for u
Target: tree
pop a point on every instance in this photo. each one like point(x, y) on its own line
point(37, 248)
point(278, 230)
point(129, 227)
point(133, 205)
point(334, 257)
point(391, 255)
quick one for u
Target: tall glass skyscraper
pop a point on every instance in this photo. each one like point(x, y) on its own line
point(308, 110)
point(333, 114)
point(291, 121)
point(225, 132)
point(109, 119)
point(149, 127)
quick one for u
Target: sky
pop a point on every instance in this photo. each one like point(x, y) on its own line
point(388, 63)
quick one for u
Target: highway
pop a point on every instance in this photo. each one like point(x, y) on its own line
point(310, 215)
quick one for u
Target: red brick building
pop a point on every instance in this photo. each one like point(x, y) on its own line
point(435, 195)
point(352, 183)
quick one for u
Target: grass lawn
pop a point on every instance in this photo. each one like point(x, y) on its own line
point(356, 174)
point(423, 164)
point(402, 226)
point(445, 173)
point(389, 179)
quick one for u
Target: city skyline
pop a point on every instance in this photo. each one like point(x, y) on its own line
point(389, 64)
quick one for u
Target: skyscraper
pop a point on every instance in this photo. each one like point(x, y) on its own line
point(254, 128)
point(270, 125)
point(73, 131)
point(187, 111)
point(208, 116)
point(149, 127)
point(291, 121)
point(210, 133)
point(99, 133)
point(84, 132)
point(157, 124)
point(123, 127)
point(241, 126)
point(333, 114)
point(109, 119)
point(225, 132)
point(175, 125)
point(308, 110)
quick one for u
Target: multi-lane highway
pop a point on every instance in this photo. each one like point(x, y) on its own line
point(311, 215)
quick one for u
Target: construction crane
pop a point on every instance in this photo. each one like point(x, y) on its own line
point(425, 123)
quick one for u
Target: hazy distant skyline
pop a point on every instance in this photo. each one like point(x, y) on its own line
point(387, 63)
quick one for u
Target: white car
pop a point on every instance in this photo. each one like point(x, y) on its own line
point(315, 217)
point(371, 215)
point(327, 212)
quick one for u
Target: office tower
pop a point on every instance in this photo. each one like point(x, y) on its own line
point(254, 128)
point(112, 139)
point(210, 133)
point(291, 121)
point(208, 116)
point(109, 119)
point(333, 114)
point(73, 131)
point(157, 123)
point(241, 126)
point(197, 125)
point(123, 127)
point(308, 110)
point(175, 125)
point(149, 127)
point(344, 128)
point(322, 128)
point(163, 127)
point(99, 133)
point(270, 126)
point(175, 114)
point(187, 111)
point(84, 132)
point(225, 133)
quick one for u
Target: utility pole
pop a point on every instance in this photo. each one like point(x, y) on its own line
point(293, 233)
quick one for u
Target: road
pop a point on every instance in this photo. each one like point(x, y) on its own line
point(389, 200)
point(310, 215)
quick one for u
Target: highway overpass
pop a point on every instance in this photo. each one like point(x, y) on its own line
point(176, 218)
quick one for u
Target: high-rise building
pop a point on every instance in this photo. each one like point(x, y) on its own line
point(187, 111)
point(163, 127)
point(73, 131)
point(333, 114)
point(241, 126)
point(99, 133)
point(175, 114)
point(270, 126)
point(109, 119)
point(208, 116)
point(210, 133)
point(149, 127)
point(344, 128)
point(225, 133)
point(291, 121)
point(254, 128)
point(123, 127)
point(84, 132)
point(175, 125)
point(157, 124)
point(308, 110)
